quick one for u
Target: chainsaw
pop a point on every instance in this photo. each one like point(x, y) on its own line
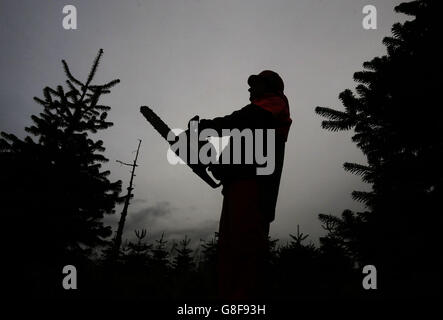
point(163, 129)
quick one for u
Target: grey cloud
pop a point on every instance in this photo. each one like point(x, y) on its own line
point(147, 217)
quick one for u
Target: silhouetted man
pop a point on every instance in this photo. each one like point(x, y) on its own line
point(249, 199)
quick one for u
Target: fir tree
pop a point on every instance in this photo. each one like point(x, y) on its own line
point(397, 117)
point(184, 271)
point(139, 253)
point(160, 255)
point(209, 252)
point(296, 268)
point(207, 267)
point(183, 261)
point(58, 193)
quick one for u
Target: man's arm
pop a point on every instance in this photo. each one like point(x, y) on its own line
point(250, 116)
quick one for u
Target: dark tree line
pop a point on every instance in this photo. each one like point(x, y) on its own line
point(55, 194)
point(161, 270)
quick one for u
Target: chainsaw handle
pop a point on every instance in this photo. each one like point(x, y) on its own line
point(203, 173)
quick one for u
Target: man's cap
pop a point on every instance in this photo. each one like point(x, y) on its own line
point(270, 79)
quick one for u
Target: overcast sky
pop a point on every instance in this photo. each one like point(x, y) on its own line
point(193, 57)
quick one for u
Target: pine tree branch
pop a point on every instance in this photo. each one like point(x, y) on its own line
point(69, 74)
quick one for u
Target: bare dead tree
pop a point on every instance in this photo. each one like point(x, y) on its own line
point(121, 224)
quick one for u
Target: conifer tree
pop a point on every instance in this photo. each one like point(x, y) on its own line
point(184, 271)
point(296, 268)
point(207, 267)
point(209, 252)
point(58, 192)
point(183, 262)
point(139, 252)
point(160, 256)
point(397, 118)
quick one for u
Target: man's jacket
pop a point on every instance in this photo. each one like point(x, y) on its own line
point(269, 112)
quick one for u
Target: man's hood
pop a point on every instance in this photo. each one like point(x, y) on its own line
point(278, 105)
